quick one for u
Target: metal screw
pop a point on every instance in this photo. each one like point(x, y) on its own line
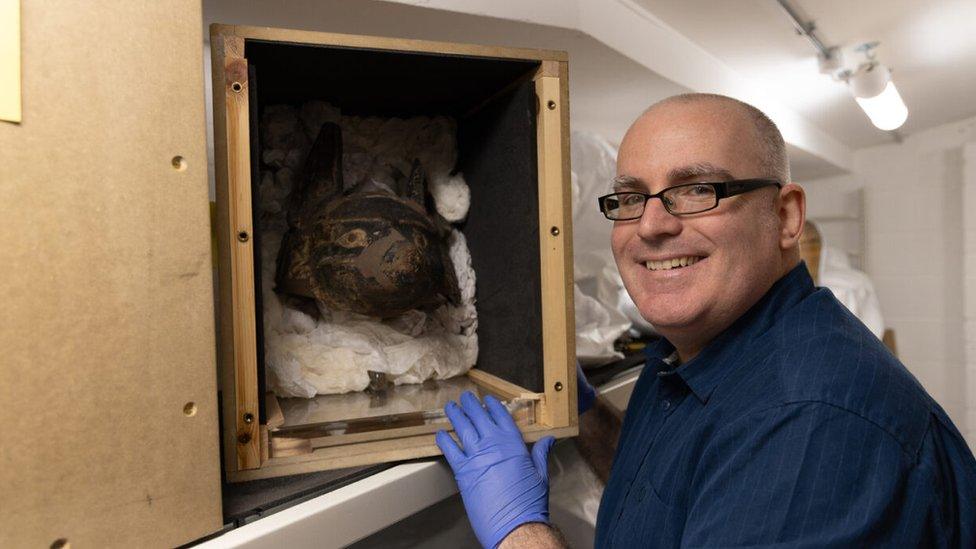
point(248, 418)
point(559, 386)
point(551, 104)
point(243, 236)
point(237, 87)
point(244, 438)
point(554, 231)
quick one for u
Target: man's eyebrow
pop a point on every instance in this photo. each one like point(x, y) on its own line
point(626, 183)
point(698, 170)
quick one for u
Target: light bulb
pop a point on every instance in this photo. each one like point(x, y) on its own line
point(886, 110)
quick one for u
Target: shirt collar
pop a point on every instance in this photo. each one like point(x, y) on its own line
point(704, 372)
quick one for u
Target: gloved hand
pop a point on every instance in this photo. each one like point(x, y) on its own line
point(503, 486)
point(585, 393)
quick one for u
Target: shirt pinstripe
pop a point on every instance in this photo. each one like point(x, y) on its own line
point(794, 428)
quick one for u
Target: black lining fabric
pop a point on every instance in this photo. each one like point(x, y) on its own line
point(497, 154)
point(255, 136)
point(377, 82)
point(498, 158)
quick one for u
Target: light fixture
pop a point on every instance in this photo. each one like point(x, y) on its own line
point(869, 82)
point(877, 95)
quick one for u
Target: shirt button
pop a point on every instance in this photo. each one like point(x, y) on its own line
point(666, 405)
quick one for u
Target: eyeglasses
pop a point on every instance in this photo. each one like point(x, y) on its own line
point(686, 199)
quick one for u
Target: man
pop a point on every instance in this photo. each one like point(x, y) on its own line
point(768, 415)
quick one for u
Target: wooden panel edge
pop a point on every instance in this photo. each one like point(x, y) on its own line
point(239, 242)
point(225, 325)
point(499, 386)
point(555, 232)
point(392, 44)
point(369, 453)
point(568, 260)
point(276, 418)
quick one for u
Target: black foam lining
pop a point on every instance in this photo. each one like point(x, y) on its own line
point(377, 82)
point(498, 158)
point(255, 151)
point(497, 154)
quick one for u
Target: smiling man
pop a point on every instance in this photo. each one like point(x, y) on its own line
point(767, 415)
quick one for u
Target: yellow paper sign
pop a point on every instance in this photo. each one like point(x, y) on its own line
point(10, 109)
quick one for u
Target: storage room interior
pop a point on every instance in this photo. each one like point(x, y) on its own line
point(889, 210)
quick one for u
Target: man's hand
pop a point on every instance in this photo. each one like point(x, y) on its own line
point(503, 486)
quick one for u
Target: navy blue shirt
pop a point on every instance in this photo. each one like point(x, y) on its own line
point(794, 428)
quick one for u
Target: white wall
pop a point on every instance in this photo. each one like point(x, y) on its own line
point(836, 204)
point(920, 242)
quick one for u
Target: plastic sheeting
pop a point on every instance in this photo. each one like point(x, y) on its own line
point(604, 309)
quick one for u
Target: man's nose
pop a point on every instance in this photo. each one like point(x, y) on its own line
point(657, 222)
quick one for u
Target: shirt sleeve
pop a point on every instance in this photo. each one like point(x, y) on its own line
point(805, 475)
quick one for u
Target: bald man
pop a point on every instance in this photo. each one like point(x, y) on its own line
point(768, 415)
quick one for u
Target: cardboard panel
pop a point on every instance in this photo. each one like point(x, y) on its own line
point(109, 416)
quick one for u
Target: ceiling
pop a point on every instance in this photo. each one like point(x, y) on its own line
point(929, 44)
point(926, 42)
point(607, 90)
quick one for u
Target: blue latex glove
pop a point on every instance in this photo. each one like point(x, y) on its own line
point(585, 393)
point(503, 486)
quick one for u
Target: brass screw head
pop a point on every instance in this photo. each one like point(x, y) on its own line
point(554, 231)
point(551, 104)
point(559, 386)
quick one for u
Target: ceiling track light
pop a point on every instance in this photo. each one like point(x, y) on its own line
point(877, 95)
point(869, 82)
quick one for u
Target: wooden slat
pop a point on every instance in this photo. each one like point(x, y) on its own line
point(385, 43)
point(521, 416)
point(501, 387)
point(555, 245)
point(569, 308)
point(273, 409)
point(290, 446)
point(108, 428)
point(369, 453)
point(233, 140)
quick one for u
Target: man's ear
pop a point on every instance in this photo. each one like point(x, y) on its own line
point(792, 213)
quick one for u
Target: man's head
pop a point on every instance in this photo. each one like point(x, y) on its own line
point(742, 247)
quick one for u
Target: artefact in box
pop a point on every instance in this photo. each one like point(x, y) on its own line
point(296, 114)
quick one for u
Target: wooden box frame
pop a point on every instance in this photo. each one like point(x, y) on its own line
point(246, 442)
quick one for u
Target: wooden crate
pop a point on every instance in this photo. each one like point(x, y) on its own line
point(522, 250)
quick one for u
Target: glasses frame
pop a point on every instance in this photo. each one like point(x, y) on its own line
point(723, 189)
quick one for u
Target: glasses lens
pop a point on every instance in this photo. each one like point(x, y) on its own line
point(685, 199)
point(623, 205)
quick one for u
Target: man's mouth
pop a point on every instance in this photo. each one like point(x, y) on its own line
point(674, 263)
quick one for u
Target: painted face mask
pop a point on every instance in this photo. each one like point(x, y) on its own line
point(366, 251)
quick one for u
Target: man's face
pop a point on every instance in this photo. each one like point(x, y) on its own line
point(734, 248)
